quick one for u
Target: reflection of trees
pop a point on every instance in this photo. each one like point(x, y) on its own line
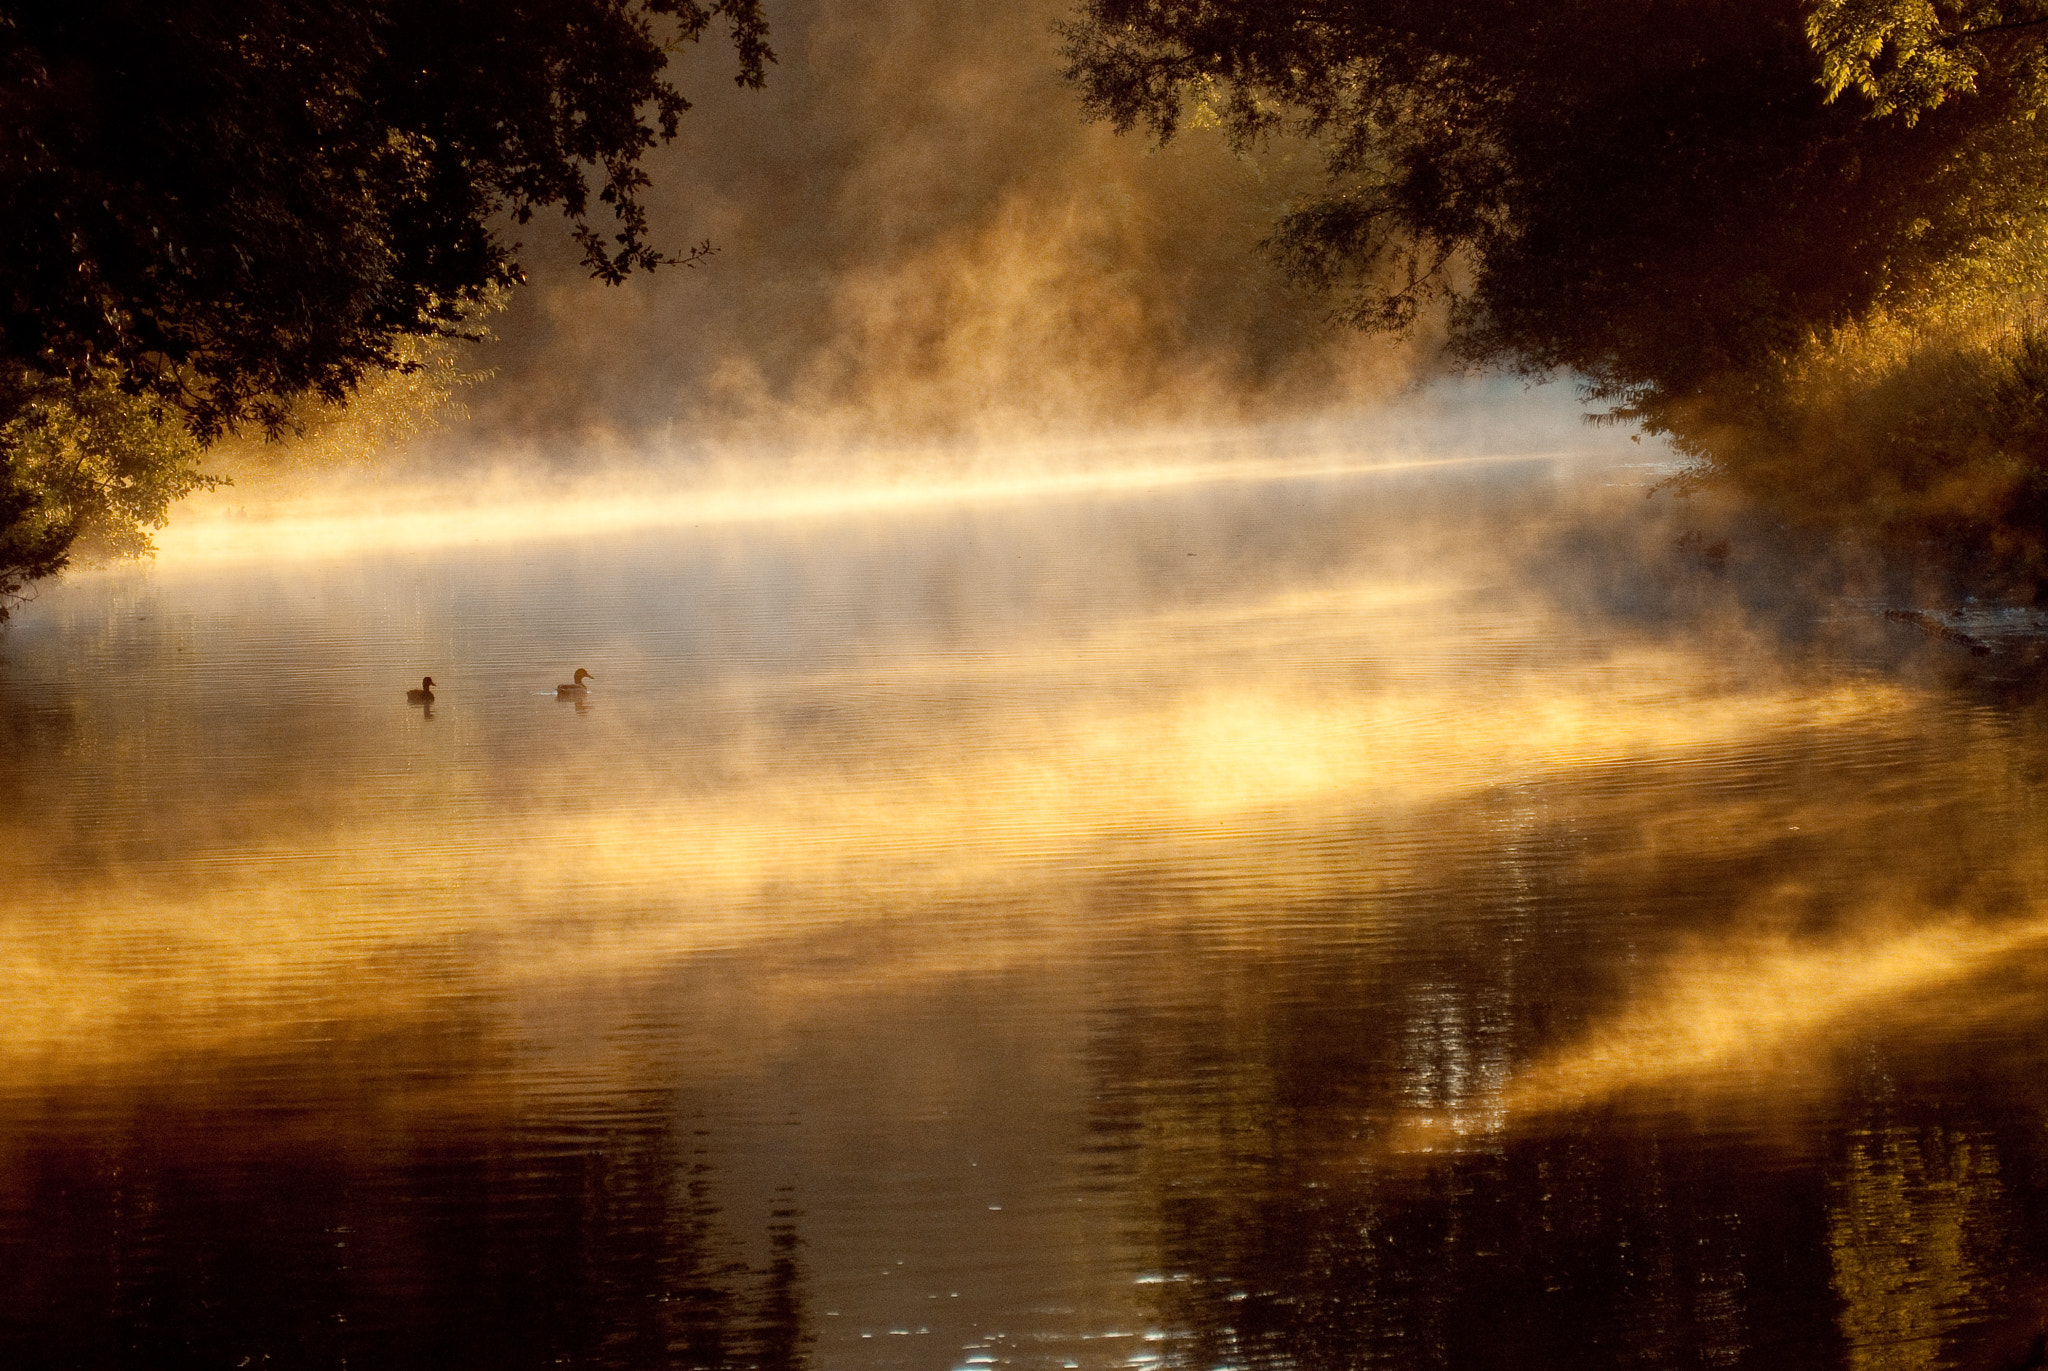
point(252, 1235)
point(1293, 1241)
point(1608, 1240)
point(1915, 1228)
point(1274, 1094)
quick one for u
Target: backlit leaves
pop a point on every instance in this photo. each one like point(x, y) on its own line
point(1907, 57)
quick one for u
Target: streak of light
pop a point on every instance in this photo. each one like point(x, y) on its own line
point(1740, 1010)
point(425, 518)
point(1756, 1015)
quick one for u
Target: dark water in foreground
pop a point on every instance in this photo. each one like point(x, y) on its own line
point(1236, 925)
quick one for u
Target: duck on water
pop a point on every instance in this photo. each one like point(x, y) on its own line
point(424, 695)
point(575, 690)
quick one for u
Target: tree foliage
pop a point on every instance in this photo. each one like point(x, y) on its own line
point(221, 206)
point(1673, 202)
point(1643, 193)
point(1911, 56)
point(86, 464)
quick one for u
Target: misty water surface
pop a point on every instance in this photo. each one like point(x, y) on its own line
point(1404, 920)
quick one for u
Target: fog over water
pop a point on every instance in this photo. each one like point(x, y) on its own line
point(1110, 829)
point(1378, 913)
point(919, 238)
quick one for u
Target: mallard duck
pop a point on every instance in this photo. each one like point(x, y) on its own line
point(424, 695)
point(575, 690)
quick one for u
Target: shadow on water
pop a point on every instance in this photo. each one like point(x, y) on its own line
point(239, 1221)
point(1695, 568)
point(1383, 1137)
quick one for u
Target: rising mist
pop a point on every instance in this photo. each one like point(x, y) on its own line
point(920, 238)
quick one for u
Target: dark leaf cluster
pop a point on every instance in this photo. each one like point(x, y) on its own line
point(227, 204)
point(1656, 197)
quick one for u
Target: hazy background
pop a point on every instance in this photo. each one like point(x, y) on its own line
point(919, 238)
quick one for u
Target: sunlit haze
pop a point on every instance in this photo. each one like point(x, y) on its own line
point(975, 780)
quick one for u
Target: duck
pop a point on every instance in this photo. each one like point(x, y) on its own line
point(424, 695)
point(575, 690)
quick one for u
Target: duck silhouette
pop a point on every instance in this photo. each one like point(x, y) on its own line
point(424, 695)
point(575, 690)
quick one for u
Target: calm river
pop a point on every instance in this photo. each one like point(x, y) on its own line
point(1339, 919)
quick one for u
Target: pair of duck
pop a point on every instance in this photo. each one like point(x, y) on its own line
point(575, 690)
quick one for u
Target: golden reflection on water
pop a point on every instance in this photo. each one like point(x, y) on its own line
point(361, 909)
point(1741, 1012)
point(1915, 1229)
point(1528, 867)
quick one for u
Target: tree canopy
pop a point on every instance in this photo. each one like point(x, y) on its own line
point(1673, 202)
point(1636, 191)
point(1909, 56)
point(217, 207)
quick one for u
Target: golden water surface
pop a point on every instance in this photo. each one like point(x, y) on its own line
point(1407, 917)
